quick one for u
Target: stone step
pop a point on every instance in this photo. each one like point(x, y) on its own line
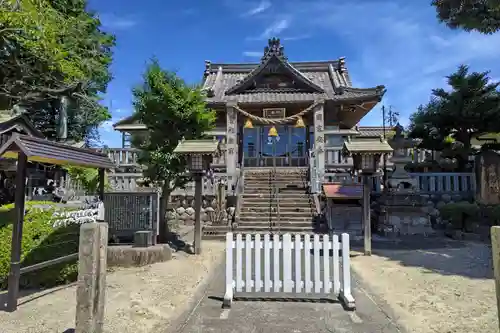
point(283, 210)
point(266, 229)
point(284, 194)
point(305, 224)
point(274, 217)
point(257, 202)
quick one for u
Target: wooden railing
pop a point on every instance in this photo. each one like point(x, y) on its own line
point(121, 182)
point(123, 157)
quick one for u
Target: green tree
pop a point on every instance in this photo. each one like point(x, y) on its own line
point(471, 15)
point(471, 107)
point(171, 110)
point(50, 49)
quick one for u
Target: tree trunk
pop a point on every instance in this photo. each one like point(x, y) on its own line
point(463, 157)
point(165, 233)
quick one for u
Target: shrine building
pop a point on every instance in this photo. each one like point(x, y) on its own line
point(305, 106)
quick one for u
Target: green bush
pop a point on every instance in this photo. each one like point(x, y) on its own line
point(460, 213)
point(40, 242)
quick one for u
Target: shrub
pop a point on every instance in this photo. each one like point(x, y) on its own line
point(460, 213)
point(40, 242)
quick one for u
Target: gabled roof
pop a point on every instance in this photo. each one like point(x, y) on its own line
point(328, 80)
point(373, 146)
point(45, 151)
point(10, 120)
point(270, 58)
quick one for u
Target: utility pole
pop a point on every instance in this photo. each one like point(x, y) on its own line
point(384, 177)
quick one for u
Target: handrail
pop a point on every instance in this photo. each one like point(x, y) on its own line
point(278, 209)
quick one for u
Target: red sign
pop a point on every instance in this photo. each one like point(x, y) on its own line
point(343, 191)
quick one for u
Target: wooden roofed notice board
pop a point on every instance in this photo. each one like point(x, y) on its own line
point(343, 191)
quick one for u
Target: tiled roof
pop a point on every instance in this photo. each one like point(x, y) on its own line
point(328, 80)
point(197, 146)
point(368, 146)
point(336, 85)
point(374, 131)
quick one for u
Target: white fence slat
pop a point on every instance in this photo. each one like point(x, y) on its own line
point(258, 278)
point(336, 268)
point(307, 263)
point(248, 263)
point(287, 263)
point(326, 264)
point(298, 268)
point(276, 263)
point(346, 264)
point(317, 277)
point(267, 264)
point(229, 260)
point(239, 266)
point(284, 276)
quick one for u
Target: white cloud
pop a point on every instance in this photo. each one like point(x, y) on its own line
point(274, 29)
point(117, 23)
point(253, 54)
point(259, 8)
point(297, 37)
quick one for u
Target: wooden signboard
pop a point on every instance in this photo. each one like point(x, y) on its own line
point(274, 113)
point(343, 191)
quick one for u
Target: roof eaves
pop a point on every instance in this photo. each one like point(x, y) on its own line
point(256, 71)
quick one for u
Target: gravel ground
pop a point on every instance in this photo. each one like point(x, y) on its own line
point(439, 290)
point(137, 299)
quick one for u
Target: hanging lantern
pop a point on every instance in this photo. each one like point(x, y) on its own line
point(248, 123)
point(272, 132)
point(300, 123)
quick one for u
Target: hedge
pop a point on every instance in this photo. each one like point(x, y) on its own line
point(40, 242)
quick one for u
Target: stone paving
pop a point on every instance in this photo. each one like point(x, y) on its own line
point(252, 316)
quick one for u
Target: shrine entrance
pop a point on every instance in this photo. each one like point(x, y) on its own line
point(287, 149)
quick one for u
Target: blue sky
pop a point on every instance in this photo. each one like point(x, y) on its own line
point(396, 43)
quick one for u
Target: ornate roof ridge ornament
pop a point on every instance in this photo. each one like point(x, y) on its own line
point(274, 48)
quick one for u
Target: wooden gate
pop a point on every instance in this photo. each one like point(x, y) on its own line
point(308, 266)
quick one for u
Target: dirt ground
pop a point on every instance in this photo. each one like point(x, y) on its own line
point(441, 289)
point(137, 299)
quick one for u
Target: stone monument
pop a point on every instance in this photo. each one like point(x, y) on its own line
point(401, 205)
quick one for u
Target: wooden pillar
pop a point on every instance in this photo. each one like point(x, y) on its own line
point(231, 143)
point(102, 178)
point(198, 179)
point(17, 233)
point(319, 139)
point(366, 215)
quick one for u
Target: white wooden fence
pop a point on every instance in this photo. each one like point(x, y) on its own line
point(314, 269)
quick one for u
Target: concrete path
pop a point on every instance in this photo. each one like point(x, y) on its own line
point(282, 317)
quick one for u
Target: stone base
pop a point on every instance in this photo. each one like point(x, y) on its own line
point(128, 256)
point(405, 221)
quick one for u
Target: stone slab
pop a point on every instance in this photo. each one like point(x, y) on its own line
point(129, 256)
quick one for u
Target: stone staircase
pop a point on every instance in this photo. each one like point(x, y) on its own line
point(259, 204)
point(259, 208)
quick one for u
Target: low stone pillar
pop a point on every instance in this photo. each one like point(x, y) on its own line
point(495, 249)
point(92, 264)
point(143, 238)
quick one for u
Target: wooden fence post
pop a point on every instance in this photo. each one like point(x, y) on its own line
point(495, 249)
point(92, 264)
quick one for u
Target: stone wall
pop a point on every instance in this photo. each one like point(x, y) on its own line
point(181, 210)
point(418, 217)
point(402, 221)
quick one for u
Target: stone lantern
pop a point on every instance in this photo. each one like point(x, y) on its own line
point(399, 179)
point(366, 155)
point(199, 155)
